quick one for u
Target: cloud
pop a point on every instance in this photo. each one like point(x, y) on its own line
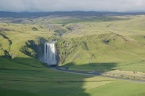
point(72, 5)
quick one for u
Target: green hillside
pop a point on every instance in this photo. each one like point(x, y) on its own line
point(100, 44)
point(118, 41)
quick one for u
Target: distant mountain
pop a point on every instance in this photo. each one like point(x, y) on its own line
point(69, 13)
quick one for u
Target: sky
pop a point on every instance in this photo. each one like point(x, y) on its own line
point(71, 5)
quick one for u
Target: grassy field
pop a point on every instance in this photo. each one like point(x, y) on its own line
point(96, 43)
point(43, 81)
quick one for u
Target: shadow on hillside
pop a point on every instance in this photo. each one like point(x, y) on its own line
point(18, 70)
point(39, 81)
point(94, 67)
point(34, 48)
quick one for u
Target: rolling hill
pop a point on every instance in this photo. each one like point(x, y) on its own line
point(101, 42)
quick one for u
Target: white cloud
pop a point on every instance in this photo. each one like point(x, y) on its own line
point(72, 5)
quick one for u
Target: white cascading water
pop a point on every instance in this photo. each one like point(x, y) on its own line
point(50, 53)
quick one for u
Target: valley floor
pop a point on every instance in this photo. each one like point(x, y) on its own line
point(124, 75)
point(46, 82)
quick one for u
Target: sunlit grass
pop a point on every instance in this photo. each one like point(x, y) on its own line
point(99, 44)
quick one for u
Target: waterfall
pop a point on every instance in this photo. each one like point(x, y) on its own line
point(50, 53)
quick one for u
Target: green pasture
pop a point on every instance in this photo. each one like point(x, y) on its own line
point(43, 81)
point(91, 44)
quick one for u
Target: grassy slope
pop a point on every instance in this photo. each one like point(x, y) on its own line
point(43, 82)
point(118, 41)
point(84, 47)
point(120, 88)
point(46, 82)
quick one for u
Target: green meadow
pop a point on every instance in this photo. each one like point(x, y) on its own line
point(101, 44)
point(45, 82)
